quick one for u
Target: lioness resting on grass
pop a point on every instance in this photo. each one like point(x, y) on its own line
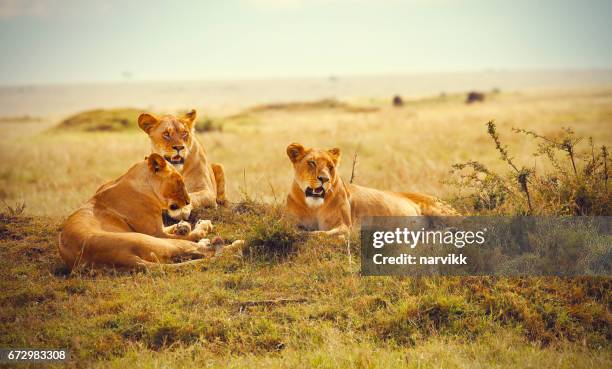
point(174, 139)
point(121, 225)
point(320, 201)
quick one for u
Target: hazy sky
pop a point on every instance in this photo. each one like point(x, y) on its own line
point(49, 41)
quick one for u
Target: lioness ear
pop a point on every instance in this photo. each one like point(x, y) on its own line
point(146, 122)
point(190, 118)
point(295, 152)
point(156, 163)
point(335, 154)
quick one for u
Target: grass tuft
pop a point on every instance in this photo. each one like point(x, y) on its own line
point(273, 237)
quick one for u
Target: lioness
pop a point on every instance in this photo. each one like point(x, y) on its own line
point(121, 225)
point(320, 201)
point(174, 139)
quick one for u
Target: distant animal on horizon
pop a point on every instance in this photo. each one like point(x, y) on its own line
point(474, 96)
point(398, 101)
point(319, 200)
point(121, 225)
point(174, 139)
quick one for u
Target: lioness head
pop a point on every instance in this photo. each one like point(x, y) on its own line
point(170, 136)
point(168, 185)
point(314, 171)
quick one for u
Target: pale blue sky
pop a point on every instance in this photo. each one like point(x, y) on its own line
point(66, 41)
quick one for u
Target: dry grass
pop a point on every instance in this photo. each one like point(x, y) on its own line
point(410, 149)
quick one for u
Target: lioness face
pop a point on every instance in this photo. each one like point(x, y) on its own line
point(314, 171)
point(169, 185)
point(170, 136)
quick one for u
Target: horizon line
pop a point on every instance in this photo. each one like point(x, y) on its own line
point(329, 76)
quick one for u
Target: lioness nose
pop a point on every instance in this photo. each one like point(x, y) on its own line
point(323, 179)
point(174, 207)
point(178, 147)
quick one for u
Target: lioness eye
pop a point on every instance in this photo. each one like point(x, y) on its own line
point(312, 164)
point(166, 135)
point(185, 134)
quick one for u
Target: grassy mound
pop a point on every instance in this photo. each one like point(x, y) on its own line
point(313, 105)
point(114, 120)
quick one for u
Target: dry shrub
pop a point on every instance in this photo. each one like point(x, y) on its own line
point(208, 125)
point(575, 184)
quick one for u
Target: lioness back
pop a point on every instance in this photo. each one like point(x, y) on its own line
point(367, 201)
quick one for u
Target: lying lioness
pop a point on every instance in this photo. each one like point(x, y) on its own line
point(320, 201)
point(121, 225)
point(174, 139)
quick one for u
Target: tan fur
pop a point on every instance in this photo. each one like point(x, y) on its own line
point(205, 181)
point(121, 225)
point(344, 204)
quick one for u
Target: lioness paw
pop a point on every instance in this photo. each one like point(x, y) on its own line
point(234, 249)
point(237, 244)
point(182, 228)
point(204, 244)
point(203, 225)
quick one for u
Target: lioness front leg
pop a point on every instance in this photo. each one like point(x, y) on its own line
point(219, 173)
point(179, 231)
point(203, 199)
point(338, 223)
point(341, 231)
point(173, 249)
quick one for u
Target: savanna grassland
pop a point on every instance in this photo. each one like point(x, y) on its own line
point(405, 149)
point(295, 300)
